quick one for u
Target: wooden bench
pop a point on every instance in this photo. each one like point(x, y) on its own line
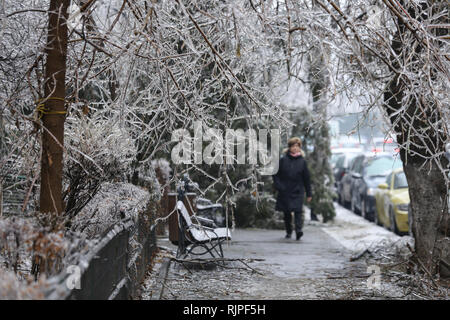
point(198, 235)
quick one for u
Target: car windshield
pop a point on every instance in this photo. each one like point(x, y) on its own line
point(382, 166)
point(400, 181)
point(340, 160)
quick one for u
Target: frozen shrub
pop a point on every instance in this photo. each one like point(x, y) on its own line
point(98, 151)
point(112, 203)
point(153, 176)
point(249, 213)
point(162, 168)
point(12, 288)
point(16, 236)
point(29, 248)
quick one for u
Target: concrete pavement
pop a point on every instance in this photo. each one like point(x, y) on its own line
point(313, 256)
point(316, 267)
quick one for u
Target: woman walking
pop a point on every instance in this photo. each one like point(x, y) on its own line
point(291, 181)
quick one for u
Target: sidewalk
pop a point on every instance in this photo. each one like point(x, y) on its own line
point(316, 267)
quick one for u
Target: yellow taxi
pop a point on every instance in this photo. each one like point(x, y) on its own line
point(392, 202)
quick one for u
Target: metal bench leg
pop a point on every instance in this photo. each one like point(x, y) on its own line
point(204, 246)
point(181, 241)
point(220, 247)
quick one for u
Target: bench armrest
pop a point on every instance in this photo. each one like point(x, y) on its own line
point(201, 227)
point(205, 222)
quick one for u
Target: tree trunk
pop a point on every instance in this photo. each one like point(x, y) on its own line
point(53, 113)
point(321, 173)
point(428, 200)
point(430, 222)
point(1, 199)
point(427, 185)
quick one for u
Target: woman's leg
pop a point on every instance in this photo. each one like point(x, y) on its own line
point(287, 222)
point(298, 221)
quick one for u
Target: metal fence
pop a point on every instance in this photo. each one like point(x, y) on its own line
point(13, 193)
point(113, 270)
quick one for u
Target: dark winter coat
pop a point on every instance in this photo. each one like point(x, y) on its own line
point(291, 182)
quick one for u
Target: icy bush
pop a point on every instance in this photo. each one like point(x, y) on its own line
point(12, 288)
point(98, 151)
point(16, 238)
point(153, 176)
point(29, 251)
point(250, 214)
point(162, 166)
point(112, 203)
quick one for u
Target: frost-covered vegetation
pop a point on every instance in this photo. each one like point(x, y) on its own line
point(111, 204)
point(137, 70)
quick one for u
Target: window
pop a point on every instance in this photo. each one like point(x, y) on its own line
point(400, 181)
point(352, 163)
point(356, 164)
point(382, 166)
point(388, 180)
point(340, 161)
point(335, 157)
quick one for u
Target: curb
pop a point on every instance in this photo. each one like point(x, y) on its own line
point(161, 280)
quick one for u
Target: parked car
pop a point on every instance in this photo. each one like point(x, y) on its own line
point(366, 176)
point(392, 202)
point(357, 185)
point(337, 153)
point(344, 185)
point(340, 162)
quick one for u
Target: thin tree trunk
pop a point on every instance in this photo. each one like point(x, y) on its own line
point(1, 199)
point(53, 115)
point(322, 177)
point(2, 155)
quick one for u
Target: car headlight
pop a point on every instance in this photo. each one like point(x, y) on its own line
point(371, 192)
point(402, 207)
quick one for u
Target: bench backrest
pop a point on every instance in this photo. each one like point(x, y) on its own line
point(184, 213)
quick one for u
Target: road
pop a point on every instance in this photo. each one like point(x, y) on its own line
point(265, 265)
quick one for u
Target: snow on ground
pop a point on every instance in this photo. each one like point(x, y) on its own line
point(357, 234)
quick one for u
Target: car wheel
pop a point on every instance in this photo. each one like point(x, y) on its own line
point(392, 223)
point(364, 213)
point(375, 217)
point(344, 203)
point(353, 206)
point(410, 232)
